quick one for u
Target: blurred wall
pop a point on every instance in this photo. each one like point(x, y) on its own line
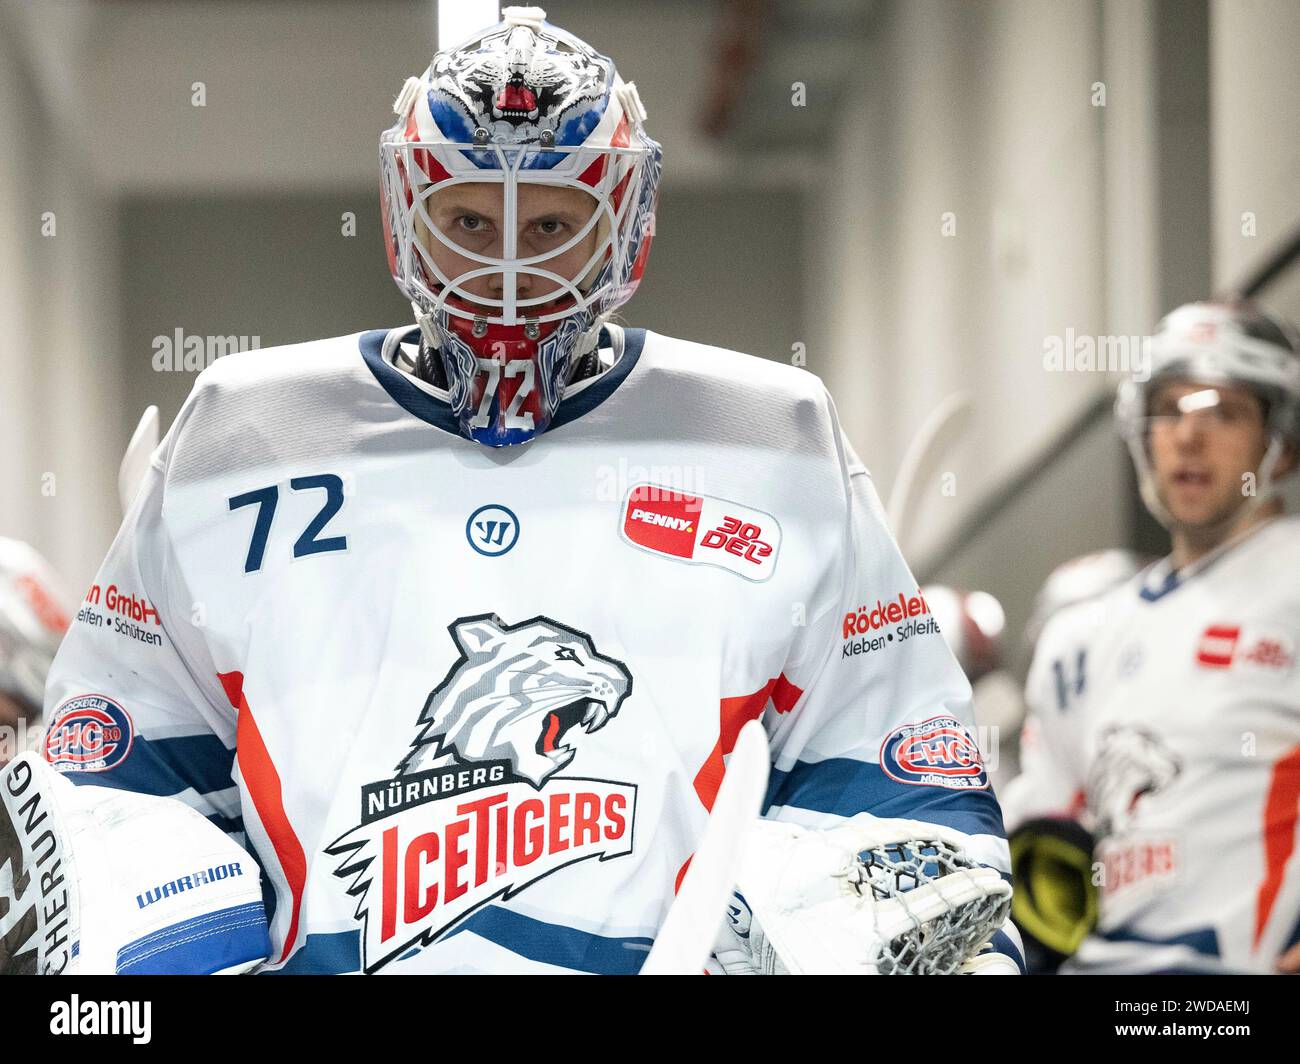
point(1255, 101)
point(61, 410)
point(965, 215)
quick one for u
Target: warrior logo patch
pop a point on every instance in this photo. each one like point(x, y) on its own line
point(476, 808)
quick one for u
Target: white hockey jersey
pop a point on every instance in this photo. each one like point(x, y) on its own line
point(469, 708)
point(1165, 717)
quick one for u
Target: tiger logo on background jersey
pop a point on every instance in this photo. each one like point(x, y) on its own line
point(477, 808)
point(515, 694)
point(1131, 764)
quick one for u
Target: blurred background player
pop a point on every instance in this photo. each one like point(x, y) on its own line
point(1163, 739)
point(33, 619)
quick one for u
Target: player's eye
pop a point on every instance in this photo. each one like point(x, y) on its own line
point(550, 227)
point(471, 223)
point(568, 654)
point(1231, 413)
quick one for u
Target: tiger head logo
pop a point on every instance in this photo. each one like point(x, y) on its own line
point(519, 81)
point(515, 695)
point(1131, 764)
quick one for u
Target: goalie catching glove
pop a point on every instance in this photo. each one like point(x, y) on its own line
point(869, 897)
point(100, 881)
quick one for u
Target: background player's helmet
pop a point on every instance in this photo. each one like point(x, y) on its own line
point(521, 102)
point(1218, 343)
point(32, 623)
point(972, 624)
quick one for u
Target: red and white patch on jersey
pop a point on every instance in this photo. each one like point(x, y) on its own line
point(1218, 644)
point(702, 530)
point(1256, 648)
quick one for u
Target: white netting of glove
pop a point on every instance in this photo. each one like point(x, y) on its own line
point(870, 896)
point(891, 874)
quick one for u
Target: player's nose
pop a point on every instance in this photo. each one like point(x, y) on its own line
point(523, 283)
point(1189, 432)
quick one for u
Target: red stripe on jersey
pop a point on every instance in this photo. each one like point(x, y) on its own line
point(681, 874)
point(785, 694)
point(263, 783)
point(734, 714)
point(1281, 809)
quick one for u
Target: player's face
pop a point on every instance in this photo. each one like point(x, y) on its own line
point(1204, 439)
point(472, 216)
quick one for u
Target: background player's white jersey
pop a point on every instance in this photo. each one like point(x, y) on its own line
point(469, 707)
point(1165, 717)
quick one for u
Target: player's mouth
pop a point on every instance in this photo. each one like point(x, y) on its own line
point(1191, 479)
point(588, 712)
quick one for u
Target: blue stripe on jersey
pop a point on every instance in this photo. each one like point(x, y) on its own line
point(231, 825)
point(325, 954)
point(165, 767)
point(1003, 944)
point(1172, 582)
point(1203, 940)
point(536, 940)
point(202, 945)
point(842, 786)
point(438, 414)
point(566, 947)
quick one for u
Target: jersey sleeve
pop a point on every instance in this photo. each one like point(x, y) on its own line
point(1051, 781)
point(882, 723)
point(133, 700)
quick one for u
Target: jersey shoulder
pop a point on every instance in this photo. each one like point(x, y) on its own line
point(1259, 575)
point(1280, 547)
point(705, 362)
point(1074, 626)
point(756, 400)
point(293, 365)
point(276, 405)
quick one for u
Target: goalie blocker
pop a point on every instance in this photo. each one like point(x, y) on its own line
point(101, 881)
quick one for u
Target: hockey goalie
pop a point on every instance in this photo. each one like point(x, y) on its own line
point(392, 668)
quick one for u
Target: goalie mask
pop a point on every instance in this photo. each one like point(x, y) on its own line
point(1217, 343)
point(519, 191)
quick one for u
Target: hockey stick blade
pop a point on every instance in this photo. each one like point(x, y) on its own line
point(686, 937)
point(135, 462)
